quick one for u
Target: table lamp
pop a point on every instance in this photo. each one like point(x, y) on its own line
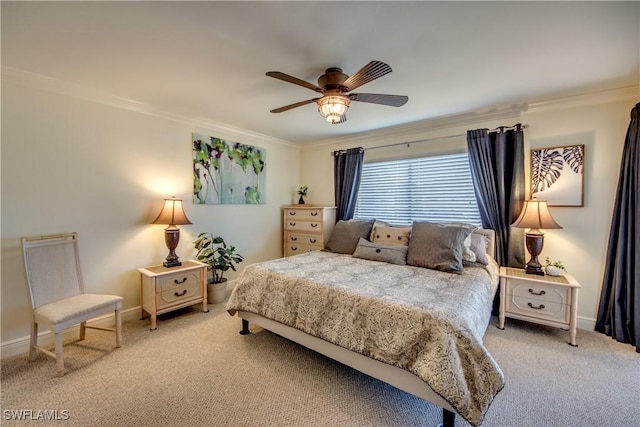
point(535, 215)
point(173, 215)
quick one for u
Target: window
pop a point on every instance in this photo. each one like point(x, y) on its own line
point(437, 188)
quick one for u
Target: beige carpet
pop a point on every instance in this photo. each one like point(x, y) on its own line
point(196, 370)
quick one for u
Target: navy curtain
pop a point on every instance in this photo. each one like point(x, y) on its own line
point(496, 160)
point(618, 314)
point(347, 171)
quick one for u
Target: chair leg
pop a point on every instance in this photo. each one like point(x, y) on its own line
point(59, 358)
point(33, 351)
point(83, 330)
point(118, 329)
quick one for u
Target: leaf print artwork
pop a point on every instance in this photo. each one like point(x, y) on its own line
point(546, 168)
point(557, 175)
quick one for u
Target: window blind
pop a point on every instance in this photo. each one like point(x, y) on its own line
point(436, 188)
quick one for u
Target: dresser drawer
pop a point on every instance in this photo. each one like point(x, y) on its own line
point(538, 292)
point(178, 281)
point(538, 309)
point(178, 295)
point(294, 248)
point(303, 214)
point(303, 226)
point(308, 239)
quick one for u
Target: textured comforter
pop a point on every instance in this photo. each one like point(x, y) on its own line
point(428, 322)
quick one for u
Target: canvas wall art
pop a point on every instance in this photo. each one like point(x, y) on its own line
point(227, 172)
point(557, 175)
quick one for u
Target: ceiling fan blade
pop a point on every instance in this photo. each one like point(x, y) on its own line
point(377, 98)
point(370, 72)
point(297, 104)
point(296, 81)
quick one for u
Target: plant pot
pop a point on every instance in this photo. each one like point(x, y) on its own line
point(552, 271)
point(217, 292)
point(301, 201)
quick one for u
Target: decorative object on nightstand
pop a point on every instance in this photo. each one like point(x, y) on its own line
point(164, 289)
point(547, 300)
point(553, 268)
point(302, 192)
point(535, 215)
point(220, 258)
point(307, 228)
point(172, 214)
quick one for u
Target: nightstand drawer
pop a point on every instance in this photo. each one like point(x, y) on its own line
point(178, 295)
point(536, 308)
point(179, 281)
point(303, 225)
point(303, 214)
point(307, 239)
point(294, 248)
point(540, 292)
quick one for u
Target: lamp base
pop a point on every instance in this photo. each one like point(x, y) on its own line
point(171, 238)
point(534, 269)
point(172, 263)
point(535, 241)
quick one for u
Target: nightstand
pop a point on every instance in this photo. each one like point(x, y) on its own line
point(165, 289)
point(546, 300)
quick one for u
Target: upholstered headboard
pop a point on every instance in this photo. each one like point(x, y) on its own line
point(491, 235)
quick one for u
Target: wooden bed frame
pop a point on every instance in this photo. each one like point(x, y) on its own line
point(397, 377)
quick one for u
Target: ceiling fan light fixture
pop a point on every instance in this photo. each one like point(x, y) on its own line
point(332, 107)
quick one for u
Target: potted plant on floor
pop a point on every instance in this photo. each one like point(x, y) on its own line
point(220, 257)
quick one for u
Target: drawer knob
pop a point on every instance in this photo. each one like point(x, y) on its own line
point(294, 239)
point(531, 291)
point(540, 307)
point(292, 213)
point(314, 225)
point(179, 282)
point(312, 240)
point(180, 294)
point(292, 224)
point(314, 213)
point(294, 248)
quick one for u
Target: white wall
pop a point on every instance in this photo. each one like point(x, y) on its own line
point(599, 121)
point(70, 164)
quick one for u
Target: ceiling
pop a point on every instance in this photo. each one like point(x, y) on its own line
point(208, 59)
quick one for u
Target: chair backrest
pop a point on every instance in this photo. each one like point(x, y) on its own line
point(52, 267)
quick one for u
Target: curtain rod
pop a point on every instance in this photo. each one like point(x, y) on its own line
point(498, 129)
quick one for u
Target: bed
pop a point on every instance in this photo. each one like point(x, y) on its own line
point(418, 329)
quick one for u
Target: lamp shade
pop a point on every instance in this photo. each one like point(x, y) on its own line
point(332, 107)
point(172, 213)
point(535, 214)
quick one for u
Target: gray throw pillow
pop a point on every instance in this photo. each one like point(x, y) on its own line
point(437, 246)
point(479, 245)
point(346, 234)
point(393, 254)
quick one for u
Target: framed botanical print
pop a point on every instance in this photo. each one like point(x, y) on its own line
point(557, 175)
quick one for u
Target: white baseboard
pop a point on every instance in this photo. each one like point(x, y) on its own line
point(586, 323)
point(21, 345)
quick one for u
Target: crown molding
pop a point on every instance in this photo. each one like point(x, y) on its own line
point(49, 84)
point(585, 99)
point(428, 125)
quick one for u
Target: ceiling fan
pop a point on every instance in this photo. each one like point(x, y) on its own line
point(335, 86)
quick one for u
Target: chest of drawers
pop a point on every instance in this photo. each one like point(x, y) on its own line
point(165, 289)
point(307, 228)
point(547, 300)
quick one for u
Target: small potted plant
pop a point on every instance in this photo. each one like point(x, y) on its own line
point(553, 268)
point(220, 257)
point(302, 192)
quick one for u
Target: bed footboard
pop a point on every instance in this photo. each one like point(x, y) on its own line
point(389, 374)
